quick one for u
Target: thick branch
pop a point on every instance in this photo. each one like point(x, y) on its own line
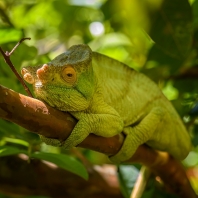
point(40, 118)
point(187, 74)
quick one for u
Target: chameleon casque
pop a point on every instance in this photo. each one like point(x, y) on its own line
point(107, 98)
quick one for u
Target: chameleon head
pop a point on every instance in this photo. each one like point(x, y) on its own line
point(67, 82)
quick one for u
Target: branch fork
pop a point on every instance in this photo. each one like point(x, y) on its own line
point(7, 55)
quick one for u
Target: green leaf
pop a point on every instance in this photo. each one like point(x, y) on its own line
point(195, 139)
point(172, 29)
point(17, 141)
point(127, 178)
point(10, 35)
point(195, 14)
point(164, 61)
point(8, 150)
point(7, 128)
point(63, 161)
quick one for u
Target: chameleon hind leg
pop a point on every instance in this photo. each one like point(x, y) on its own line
point(138, 135)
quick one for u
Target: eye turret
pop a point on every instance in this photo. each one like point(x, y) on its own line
point(69, 75)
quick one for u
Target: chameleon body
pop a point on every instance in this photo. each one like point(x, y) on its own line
point(107, 97)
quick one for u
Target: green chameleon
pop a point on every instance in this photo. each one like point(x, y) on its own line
point(107, 98)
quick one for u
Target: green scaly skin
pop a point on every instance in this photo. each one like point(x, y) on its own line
point(108, 97)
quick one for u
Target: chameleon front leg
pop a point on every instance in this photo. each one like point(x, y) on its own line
point(138, 135)
point(106, 125)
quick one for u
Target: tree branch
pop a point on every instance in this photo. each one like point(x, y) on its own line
point(40, 118)
point(186, 74)
point(6, 56)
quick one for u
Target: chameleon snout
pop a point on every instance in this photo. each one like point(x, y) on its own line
point(27, 76)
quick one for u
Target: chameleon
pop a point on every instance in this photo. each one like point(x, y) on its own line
point(108, 97)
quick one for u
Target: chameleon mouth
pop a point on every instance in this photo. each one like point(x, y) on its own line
point(51, 87)
point(38, 85)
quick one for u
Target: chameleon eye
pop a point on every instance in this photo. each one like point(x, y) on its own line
point(69, 75)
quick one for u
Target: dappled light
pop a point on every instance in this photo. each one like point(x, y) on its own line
point(158, 38)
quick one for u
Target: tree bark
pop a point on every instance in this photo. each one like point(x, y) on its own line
point(40, 118)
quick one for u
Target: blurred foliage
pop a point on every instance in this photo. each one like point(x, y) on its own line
point(156, 37)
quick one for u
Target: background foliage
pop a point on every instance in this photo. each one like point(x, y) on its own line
point(156, 37)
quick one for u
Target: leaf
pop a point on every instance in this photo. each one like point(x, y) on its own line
point(17, 141)
point(194, 110)
point(8, 150)
point(7, 128)
point(195, 14)
point(127, 177)
point(195, 133)
point(10, 35)
point(172, 27)
point(167, 62)
point(63, 161)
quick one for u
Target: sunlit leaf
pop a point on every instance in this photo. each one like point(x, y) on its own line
point(191, 159)
point(64, 161)
point(10, 35)
point(17, 141)
point(8, 150)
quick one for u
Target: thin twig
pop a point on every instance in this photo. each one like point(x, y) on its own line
point(14, 48)
point(6, 56)
point(141, 182)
